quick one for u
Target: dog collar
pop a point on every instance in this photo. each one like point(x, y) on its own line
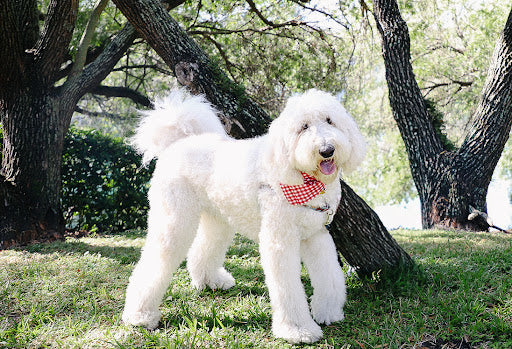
point(302, 193)
point(327, 209)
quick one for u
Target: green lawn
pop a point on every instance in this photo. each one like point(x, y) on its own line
point(70, 294)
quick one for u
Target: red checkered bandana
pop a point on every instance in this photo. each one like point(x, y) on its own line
point(302, 193)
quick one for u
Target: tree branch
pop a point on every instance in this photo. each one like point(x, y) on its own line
point(459, 83)
point(81, 54)
point(96, 114)
point(192, 67)
point(155, 67)
point(96, 71)
point(493, 117)
point(18, 32)
point(218, 46)
point(92, 54)
point(445, 46)
point(326, 14)
point(221, 31)
point(52, 47)
point(123, 92)
point(407, 103)
point(254, 9)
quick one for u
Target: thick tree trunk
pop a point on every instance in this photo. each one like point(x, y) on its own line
point(450, 190)
point(32, 119)
point(33, 134)
point(357, 230)
point(448, 182)
point(35, 114)
point(362, 239)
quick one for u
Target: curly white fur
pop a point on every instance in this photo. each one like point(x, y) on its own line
point(207, 186)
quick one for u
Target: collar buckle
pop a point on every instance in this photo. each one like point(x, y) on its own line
point(325, 208)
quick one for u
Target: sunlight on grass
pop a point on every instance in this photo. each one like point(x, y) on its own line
point(71, 294)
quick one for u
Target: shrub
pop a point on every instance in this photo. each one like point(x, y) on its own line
point(103, 186)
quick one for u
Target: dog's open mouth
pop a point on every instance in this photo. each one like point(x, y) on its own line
point(327, 167)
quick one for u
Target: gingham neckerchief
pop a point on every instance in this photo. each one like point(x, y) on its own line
point(302, 193)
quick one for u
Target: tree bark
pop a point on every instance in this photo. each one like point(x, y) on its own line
point(357, 230)
point(193, 68)
point(33, 137)
point(361, 237)
point(35, 114)
point(448, 182)
point(31, 119)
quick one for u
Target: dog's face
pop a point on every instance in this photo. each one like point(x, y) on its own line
point(315, 134)
point(319, 146)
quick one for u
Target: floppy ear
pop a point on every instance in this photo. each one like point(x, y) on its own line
point(277, 159)
point(358, 146)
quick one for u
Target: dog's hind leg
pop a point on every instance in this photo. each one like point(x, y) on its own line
point(206, 256)
point(172, 224)
point(321, 260)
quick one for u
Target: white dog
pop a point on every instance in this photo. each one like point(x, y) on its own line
point(280, 189)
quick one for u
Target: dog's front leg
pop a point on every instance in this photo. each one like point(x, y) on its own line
point(321, 260)
point(280, 258)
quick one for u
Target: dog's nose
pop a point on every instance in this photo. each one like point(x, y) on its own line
point(326, 150)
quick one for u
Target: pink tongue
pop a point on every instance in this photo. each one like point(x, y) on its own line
point(327, 167)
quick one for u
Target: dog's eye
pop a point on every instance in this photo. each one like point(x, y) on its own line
point(304, 127)
point(329, 121)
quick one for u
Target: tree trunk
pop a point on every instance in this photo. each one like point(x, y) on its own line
point(193, 69)
point(449, 192)
point(35, 113)
point(448, 182)
point(33, 135)
point(357, 230)
point(361, 237)
point(33, 128)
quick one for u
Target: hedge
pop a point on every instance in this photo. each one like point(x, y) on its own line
point(104, 188)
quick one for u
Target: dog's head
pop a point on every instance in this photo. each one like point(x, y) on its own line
point(314, 134)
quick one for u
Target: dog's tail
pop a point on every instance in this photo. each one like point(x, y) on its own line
point(177, 116)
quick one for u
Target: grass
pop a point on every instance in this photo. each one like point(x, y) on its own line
point(70, 295)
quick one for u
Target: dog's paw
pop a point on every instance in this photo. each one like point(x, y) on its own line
point(298, 334)
point(221, 279)
point(326, 312)
point(145, 319)
point(328, 317)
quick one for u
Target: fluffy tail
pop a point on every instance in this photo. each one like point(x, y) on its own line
point(177, 116)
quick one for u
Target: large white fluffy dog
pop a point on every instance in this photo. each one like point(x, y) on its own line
point(280, 190)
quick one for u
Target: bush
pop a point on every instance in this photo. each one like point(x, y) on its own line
point(103, 186)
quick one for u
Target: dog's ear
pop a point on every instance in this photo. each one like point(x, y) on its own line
point(357, 143)
point(278, 157)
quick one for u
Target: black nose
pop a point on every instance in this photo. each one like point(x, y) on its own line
point(326, 150)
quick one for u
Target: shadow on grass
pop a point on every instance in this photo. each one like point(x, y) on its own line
point(72, 246)
point(453, 290)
